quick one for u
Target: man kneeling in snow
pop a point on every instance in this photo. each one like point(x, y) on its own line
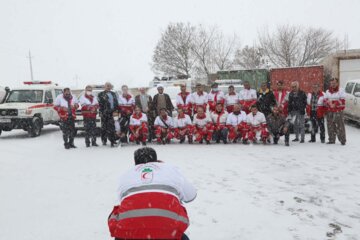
point(151, 196)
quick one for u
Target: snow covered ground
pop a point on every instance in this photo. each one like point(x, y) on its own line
point(253, 192)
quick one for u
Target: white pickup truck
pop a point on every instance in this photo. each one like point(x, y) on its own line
point(352, 101)
point(29, 107)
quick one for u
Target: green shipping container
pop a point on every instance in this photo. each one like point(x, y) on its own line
point(255, 77)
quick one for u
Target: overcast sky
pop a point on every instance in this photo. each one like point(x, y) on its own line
point(113, 40)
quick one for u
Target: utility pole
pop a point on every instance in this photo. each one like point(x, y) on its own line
point(31, 70)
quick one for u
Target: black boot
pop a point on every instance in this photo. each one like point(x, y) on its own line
point(66, 142)
point(94, 144)
point(71, 143)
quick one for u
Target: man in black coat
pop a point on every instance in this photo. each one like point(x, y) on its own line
point(265, 100)
point(162, 100)
point(296, 109)
point(108, 108)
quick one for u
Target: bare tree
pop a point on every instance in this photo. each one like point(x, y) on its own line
point(172, 54)
point(296, 46)
point(250, 57)
point(203, 49)
point(224, 51)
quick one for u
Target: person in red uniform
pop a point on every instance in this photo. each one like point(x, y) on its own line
point(164, 127)
point(126, 108)
point(183, 100)
point(256, 122)
point(138, 127)
point(183, 127)
point(236, 123)
point(89, 107)
point(281, 97)
point(247, 97)
point(66, 105)
point(215, 96)
point(151, 196)
point(203, 126)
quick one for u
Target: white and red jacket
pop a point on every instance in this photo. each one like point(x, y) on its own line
point(336, 97)
point(247, 98)
point(215, 97)
point(126, 104)
point(138, 125)
point(168, 120)
point(235, 120)
point(320, 109)
point(184, 102)
point(202, 121)
point(89, 106)
point(151, 197)
point(182, 121)
point(61, 106)
point(257, 121)
point(237, 125)
point(219, 119)
point(281, 97)
point(137, 120)
point(199, 100)
point(230, 101)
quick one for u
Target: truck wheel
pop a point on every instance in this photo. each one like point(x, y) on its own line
point(35, 128)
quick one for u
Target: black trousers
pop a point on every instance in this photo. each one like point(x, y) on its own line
point(316, 124)
point(124, 127)
point(221, 135)
point(90, 130)
point(68, 129)
point(280, 132)
point(107, 128)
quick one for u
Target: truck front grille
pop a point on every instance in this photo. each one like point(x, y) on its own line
point(8, 112)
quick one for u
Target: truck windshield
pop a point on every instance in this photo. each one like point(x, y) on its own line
point(30, 96)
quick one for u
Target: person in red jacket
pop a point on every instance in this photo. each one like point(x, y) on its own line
point(138, 126)
point(183, 100)
point(281, 97)
point(218, 118)
point(315, 109)
point(66, 105)
point(164, 127)
point(89, 106)
point(203, 126)
point(334, 101)
point(215, 96)
point(183, 127)
point(151, 196)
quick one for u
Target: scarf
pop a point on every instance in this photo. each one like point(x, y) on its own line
point(137, 116)
point(334, 90)
point(90, 97)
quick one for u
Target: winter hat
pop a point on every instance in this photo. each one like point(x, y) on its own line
point(145, 155)
point(159, 86)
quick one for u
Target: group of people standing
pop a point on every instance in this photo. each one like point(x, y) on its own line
point(247, 116)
